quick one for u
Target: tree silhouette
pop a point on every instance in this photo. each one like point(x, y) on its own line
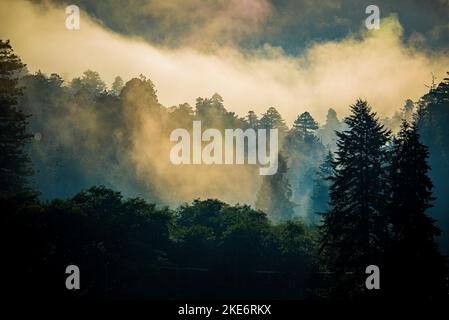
point(272, 119)
point(327, 131)
point(433, 117)
point(252, 119)
point(14, 160)
point(414, 253)
point(213, 114)
point(355, 228)
point(117, 85)
point(305, 124)
point(90, 81)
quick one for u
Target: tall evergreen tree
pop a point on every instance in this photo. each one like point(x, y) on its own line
point(433, 119)
point(305, 124)
point(305, 153)
point(272, 119)
point(274, 195)
point(355, 228)
point(418, 269)
point(408, 110)
point(117, 85)
point(90, 81)
point(14, 160)
point(253, 121)
point(327, 131)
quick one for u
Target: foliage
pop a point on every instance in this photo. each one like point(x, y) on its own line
point(14, 135)
point(375, 194)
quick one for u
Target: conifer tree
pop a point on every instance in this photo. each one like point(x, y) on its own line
point(90, 81)
point(433, 119)
point(14, 160)
point(355, 228)
point(253, 121)
point(117, 85)
point(272, 119)
point(418, 269)
point(305, 153)
point(327, 131)
point(305, 124)
point(274, 195)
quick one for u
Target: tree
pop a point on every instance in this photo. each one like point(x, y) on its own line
point(272, 119)
point(407, 110)
point(55, 80)
point(210, 110)
point(252, 119)
point(274, 195)
point(90, 81)
point(14, 160)
point(305, 152)
point(296, 245)
point(117, 85)
point(181, 116)
point(432, 120)
point(139, 93)
point(355, 228)
point(321, 187)
point(305, 124)
point(213, 113)
point(214, 234)
point(327, 132)
point(414, 254)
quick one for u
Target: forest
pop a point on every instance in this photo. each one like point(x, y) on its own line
point(86, 180)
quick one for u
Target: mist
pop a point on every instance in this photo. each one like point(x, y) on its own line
point(123, 141)
point(376, 65)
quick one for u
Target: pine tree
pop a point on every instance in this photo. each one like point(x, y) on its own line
point(272, 119)
point(332, 120)
point(117, 85)
point(408, 110)
point(433, 119)
point(305, 124)
point(355, 229)
point(417, 267)
point(253, 121)
point(327, 131)
point(305, 153)
point(274, 195)
point(90, 81)
point(15, 162)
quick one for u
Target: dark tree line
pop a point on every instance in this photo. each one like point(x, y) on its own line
point(129, 248)
point(373, 194)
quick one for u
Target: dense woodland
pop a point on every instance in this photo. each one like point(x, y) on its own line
point(347, 194)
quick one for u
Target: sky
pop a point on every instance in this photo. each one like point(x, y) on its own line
point(297, 56)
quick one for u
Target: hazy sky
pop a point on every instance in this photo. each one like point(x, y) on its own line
point(293, 55)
